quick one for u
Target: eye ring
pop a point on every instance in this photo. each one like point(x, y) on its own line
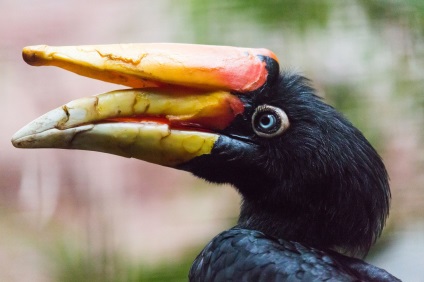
point(269, 121)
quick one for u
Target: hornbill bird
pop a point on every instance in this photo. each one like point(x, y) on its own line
point(315, 194)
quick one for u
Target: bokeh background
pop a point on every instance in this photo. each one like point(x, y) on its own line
point(84, 216)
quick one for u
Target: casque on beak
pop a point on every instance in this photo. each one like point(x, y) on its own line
point(181, 97)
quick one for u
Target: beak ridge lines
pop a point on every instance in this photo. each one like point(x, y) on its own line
point(146, 65)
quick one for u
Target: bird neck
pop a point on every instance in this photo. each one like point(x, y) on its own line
point(307, 220)
point(284, 222)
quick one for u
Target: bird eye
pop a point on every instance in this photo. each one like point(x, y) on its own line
point(269, 121)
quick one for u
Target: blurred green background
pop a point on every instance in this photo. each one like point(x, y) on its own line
point(84, 216)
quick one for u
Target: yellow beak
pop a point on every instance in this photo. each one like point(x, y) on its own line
point(183, 96)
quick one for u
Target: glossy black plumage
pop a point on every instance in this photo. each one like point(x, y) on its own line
point(318, 186)
point(249, 255)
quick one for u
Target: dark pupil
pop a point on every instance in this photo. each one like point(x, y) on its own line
point(267, 121)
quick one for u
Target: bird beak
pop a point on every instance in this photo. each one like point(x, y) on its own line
point(181, 97)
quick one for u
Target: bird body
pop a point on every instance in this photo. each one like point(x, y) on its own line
point(249, 255)
point(313, 189)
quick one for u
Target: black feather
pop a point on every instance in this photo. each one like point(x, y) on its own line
point(248, 255)
point(320, 184)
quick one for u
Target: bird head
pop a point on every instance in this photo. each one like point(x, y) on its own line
point(227, 115)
